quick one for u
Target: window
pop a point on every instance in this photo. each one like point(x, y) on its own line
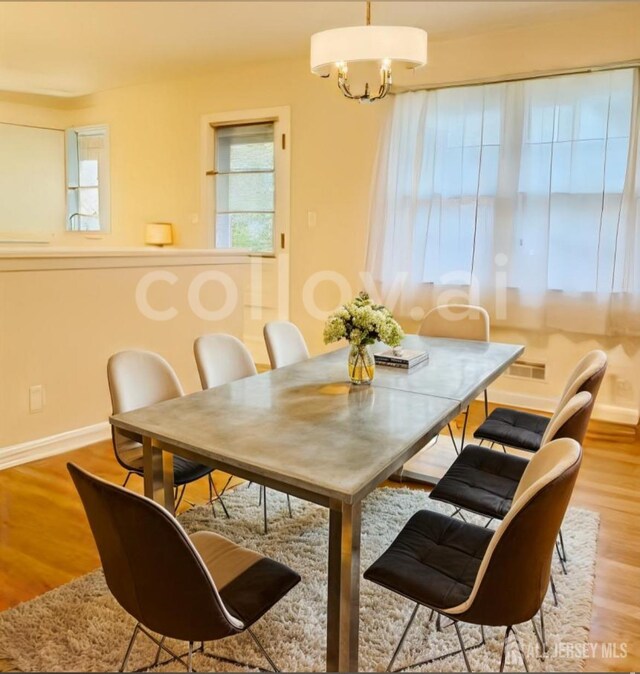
point(538, 174)
point(88, 179)
point(245, 187)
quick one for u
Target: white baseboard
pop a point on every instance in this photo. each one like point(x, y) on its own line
point(627, 416)
point(14, 455)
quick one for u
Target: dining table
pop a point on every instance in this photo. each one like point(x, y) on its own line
point(306, 430)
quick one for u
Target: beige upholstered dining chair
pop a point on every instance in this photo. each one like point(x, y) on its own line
point(285, 344)
point(458, 321)
point(471, 574)
point(138, 379)
point(222, 359)
point(194, 588)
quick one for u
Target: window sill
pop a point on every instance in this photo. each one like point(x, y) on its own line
point(48, 258)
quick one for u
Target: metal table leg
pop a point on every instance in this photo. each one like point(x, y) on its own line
point(158, 474)
point(343, 603)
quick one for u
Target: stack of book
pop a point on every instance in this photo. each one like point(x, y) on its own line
point(406, 360)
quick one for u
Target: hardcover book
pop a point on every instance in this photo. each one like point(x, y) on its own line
point(406, 360)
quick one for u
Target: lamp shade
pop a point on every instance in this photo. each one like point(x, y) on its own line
point(401, 45)
point(158, 234)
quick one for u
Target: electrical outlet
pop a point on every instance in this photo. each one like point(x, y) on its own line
point(623, 390)
point(36, 398)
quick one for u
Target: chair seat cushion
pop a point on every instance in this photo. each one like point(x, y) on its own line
point(249, 583)
point(481, 480)
point(433, 561)
point(184, 471)
point(513, 428)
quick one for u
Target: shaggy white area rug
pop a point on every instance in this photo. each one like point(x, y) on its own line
point(80, 627)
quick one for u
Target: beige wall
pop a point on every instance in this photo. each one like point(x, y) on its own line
point(155, 165)
point(59, 327)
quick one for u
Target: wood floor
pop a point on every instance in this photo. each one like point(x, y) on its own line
point(45, 540)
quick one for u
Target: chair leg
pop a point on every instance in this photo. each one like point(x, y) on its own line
point(519, 645)
point(464, 428)
point(178, 499)
point(264, 508)
point(453, 440)
point(161, 644)
point(508, 631)
point(218, 496)
point(190, 657)
point(227, 483)
point(562, 564)
point(503, 657)
point(404, 636)
point(562, 548)
point(130, 647)
point(464, 651)
point(126, 479)
point(553, 590)
point(260, 490)
point(211, 499)
point(540, 635)
point(158, 652)
point(289, 505)
point(486, 404)
point(263, 650)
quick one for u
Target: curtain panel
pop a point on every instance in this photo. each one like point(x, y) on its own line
point(522, 196)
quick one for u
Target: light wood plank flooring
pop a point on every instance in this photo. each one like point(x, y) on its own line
point(45, 540)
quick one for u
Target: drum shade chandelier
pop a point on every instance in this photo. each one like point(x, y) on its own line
point(389, 46)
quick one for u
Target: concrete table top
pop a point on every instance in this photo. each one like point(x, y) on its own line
point(307, 427)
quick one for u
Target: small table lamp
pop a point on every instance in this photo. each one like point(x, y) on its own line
point(159, 234)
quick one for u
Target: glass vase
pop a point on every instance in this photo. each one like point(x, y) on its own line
point(361, 365)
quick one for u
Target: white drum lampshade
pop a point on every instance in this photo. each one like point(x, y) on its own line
point(158, 234)
point(398, 45)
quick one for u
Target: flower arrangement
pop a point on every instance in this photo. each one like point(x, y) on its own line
point(361, 323)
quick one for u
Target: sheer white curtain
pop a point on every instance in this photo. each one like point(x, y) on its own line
point(521, 196)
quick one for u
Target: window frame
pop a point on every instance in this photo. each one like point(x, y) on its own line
point(280, 117)
point(104, 179)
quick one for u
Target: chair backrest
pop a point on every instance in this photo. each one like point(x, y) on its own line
point(586, 376)
point(456, 321)
point(285, 344)
point(222, 359)
point(150, 565)
point(137, 379)
point(514, 574)
point(570, 421)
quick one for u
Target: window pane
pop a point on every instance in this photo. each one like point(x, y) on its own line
point(244, 148)
point(253, 231)
point(89, 201)
point(87, 206)
point(245, 186)
point(244, 192)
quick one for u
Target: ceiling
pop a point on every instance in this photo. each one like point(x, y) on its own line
point(74, 48)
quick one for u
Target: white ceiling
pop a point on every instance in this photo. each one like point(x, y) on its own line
point(73, 48)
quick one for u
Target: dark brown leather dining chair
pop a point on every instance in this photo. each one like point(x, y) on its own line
point(469, 573)
point(524, 430)
point(194, 588)
point(484, 481)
